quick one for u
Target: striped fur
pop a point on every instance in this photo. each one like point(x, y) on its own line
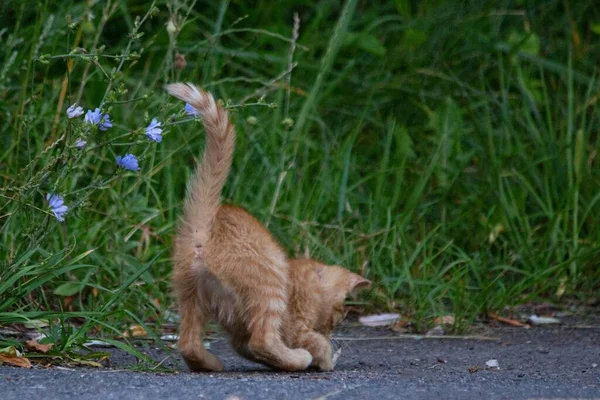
point(228, 267)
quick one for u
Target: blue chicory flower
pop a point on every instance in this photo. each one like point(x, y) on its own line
point(93, 117)
point(153, 131)
point(129, 162)
point(80, 143)
point(57, 206)
point(97, 118)
point(191, 110)
point(74, 111)
point(106, 123)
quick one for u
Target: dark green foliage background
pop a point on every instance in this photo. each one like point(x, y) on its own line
point(448, 150)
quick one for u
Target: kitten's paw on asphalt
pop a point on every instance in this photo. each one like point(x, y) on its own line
point(303, 357)
point(325, 365)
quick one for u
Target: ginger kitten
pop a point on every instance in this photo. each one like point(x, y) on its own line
point(228, 267)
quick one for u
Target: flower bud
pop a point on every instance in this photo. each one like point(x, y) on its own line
point(171, 27)
point(180, 62)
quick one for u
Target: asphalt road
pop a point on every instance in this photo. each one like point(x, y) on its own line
point(556, 363)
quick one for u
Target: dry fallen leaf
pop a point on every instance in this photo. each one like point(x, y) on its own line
point(536, 320)
point(98, 343)
point(400, 326)
point(10, 355)
point(379, 320)
point(33, 345)
point(444, 320)
point(398, 329)
point(85, 363)
point(135, 331)
point(336, 356)
point(68, 300)
point(507, 321)
point(16, 361)
point(435, 331)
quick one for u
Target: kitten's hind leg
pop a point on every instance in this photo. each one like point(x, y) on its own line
point(193, 319)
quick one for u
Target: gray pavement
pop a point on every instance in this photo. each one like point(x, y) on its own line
point(555, 363)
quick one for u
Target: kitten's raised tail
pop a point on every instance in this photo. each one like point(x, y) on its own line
point(204, 189)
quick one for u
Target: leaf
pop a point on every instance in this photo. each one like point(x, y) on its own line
point(100, 343)
point(33, 345)
point(435, 331)
point(9, 351)
point(525, 42)
point(68, 289)
point(404, 143)
point(413, 39)
point(85, 363)
point(596, 28)
point(379, 320)
point(371, 44)
point(398, 329)
point(131, 350)
point(400, 326)
point(67, 301)
point(508, 321)
point(36, 324)
point(444, 320)
point(336, 356)
point(16, 361)
point(135, 331)
point(403, 7)
point(536, 320)
point(10, 355)
point(366, 42)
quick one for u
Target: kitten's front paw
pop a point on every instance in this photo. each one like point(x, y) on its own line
point(303, 358)
point(325, 365)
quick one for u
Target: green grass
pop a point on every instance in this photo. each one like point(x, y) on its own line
point(448, 152)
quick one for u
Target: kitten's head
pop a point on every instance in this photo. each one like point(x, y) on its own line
point(330, 285)
point(337, 283)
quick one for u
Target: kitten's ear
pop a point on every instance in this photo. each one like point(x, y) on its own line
point(357, 282)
